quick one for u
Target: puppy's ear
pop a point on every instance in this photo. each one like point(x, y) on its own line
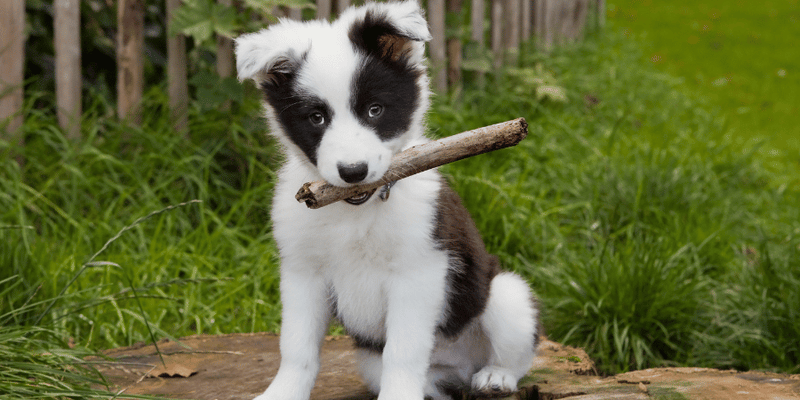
point(390, 31)
point(269, 56)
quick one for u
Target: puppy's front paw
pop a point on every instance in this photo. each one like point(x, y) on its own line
point(276, 391)
point(277, 395)
point(492, 381)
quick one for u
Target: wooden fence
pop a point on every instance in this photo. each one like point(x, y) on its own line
point(510, 23)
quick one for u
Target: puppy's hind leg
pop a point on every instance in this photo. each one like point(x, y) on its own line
point(510, 322)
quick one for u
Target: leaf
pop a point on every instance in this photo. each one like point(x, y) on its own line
point(211, 90)
point(201, 19)
point(267, 6)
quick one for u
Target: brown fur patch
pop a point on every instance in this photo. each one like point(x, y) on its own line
point(472, 268)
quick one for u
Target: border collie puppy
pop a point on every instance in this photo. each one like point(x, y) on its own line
point(408, 275)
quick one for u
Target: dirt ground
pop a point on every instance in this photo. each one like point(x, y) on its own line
point(240, 366)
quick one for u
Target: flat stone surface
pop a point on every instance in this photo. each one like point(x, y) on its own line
point(241, 366)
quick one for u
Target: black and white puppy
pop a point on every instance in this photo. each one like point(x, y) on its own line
point(408, 274)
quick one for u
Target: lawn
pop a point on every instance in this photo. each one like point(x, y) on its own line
point(650, 233)
point(741, 55)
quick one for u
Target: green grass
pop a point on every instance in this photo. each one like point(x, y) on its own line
point(191, 266)
point(633, 215)
point(739, 55)
point(631, 212)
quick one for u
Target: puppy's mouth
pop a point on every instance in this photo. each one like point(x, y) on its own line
point(360, 198)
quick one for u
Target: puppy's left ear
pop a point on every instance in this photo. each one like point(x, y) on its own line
point(271, 54)
point(391, 31)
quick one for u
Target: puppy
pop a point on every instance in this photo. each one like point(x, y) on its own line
point(405, 271)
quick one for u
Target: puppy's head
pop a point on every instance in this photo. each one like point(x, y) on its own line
point(343, 96)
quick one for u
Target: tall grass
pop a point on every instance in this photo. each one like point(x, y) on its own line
point(190, 265)
point(633, 221)
point(630, 215)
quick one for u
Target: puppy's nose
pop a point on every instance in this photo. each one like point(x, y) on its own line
point(352, 173)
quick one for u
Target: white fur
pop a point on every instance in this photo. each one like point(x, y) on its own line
point(378, 261)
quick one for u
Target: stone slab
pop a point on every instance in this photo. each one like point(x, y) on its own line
point(241, 366)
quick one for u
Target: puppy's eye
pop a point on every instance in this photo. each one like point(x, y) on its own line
point(316, 118)
point(375, 110)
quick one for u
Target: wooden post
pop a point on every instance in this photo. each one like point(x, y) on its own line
point(130, 59)
point(324, 9)
point(178, 87)
point(497, 33)
point(548, 23)
point(538, 21)
point(12, 63)
point(454, 48)
point(571, 20)
point(601, 14)
point(476, 21)
point(342, 5)
point(526, 14)
point(67, 30)
point(436, 20)
point(511, 29)
point(295, 14)
point(225, 63)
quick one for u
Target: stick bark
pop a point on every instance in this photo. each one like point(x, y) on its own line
point(421, 158)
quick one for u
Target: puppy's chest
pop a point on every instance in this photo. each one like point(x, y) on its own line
point(364, 265)
point(359, 301)
point(360, 270)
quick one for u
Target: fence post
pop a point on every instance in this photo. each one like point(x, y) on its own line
point(130, 59)
point(436, 19)
point(476, 21)
point(323, 9)
point(178, 86)
point(511, 29)
point(342, 5)
point(67, 30)
point(538, 21)
point(601, 14)
point(526, 19)
point(497, 33)
point(225, 64)
point(12, 62)
point(548, 23)
point(295, 14)
point(454, 49)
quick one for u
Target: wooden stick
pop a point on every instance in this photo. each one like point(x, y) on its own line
point(421, 158)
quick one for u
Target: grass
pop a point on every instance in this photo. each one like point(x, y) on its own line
point(736, 53)
point(651, 237)
point(633, 215)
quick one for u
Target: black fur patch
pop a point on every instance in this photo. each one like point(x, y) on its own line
point(365, 343)
point(294, 109)
point(472, 268)
point(386, 77)
point(537, 336)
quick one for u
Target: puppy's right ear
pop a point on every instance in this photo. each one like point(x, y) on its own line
point(269, 56)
